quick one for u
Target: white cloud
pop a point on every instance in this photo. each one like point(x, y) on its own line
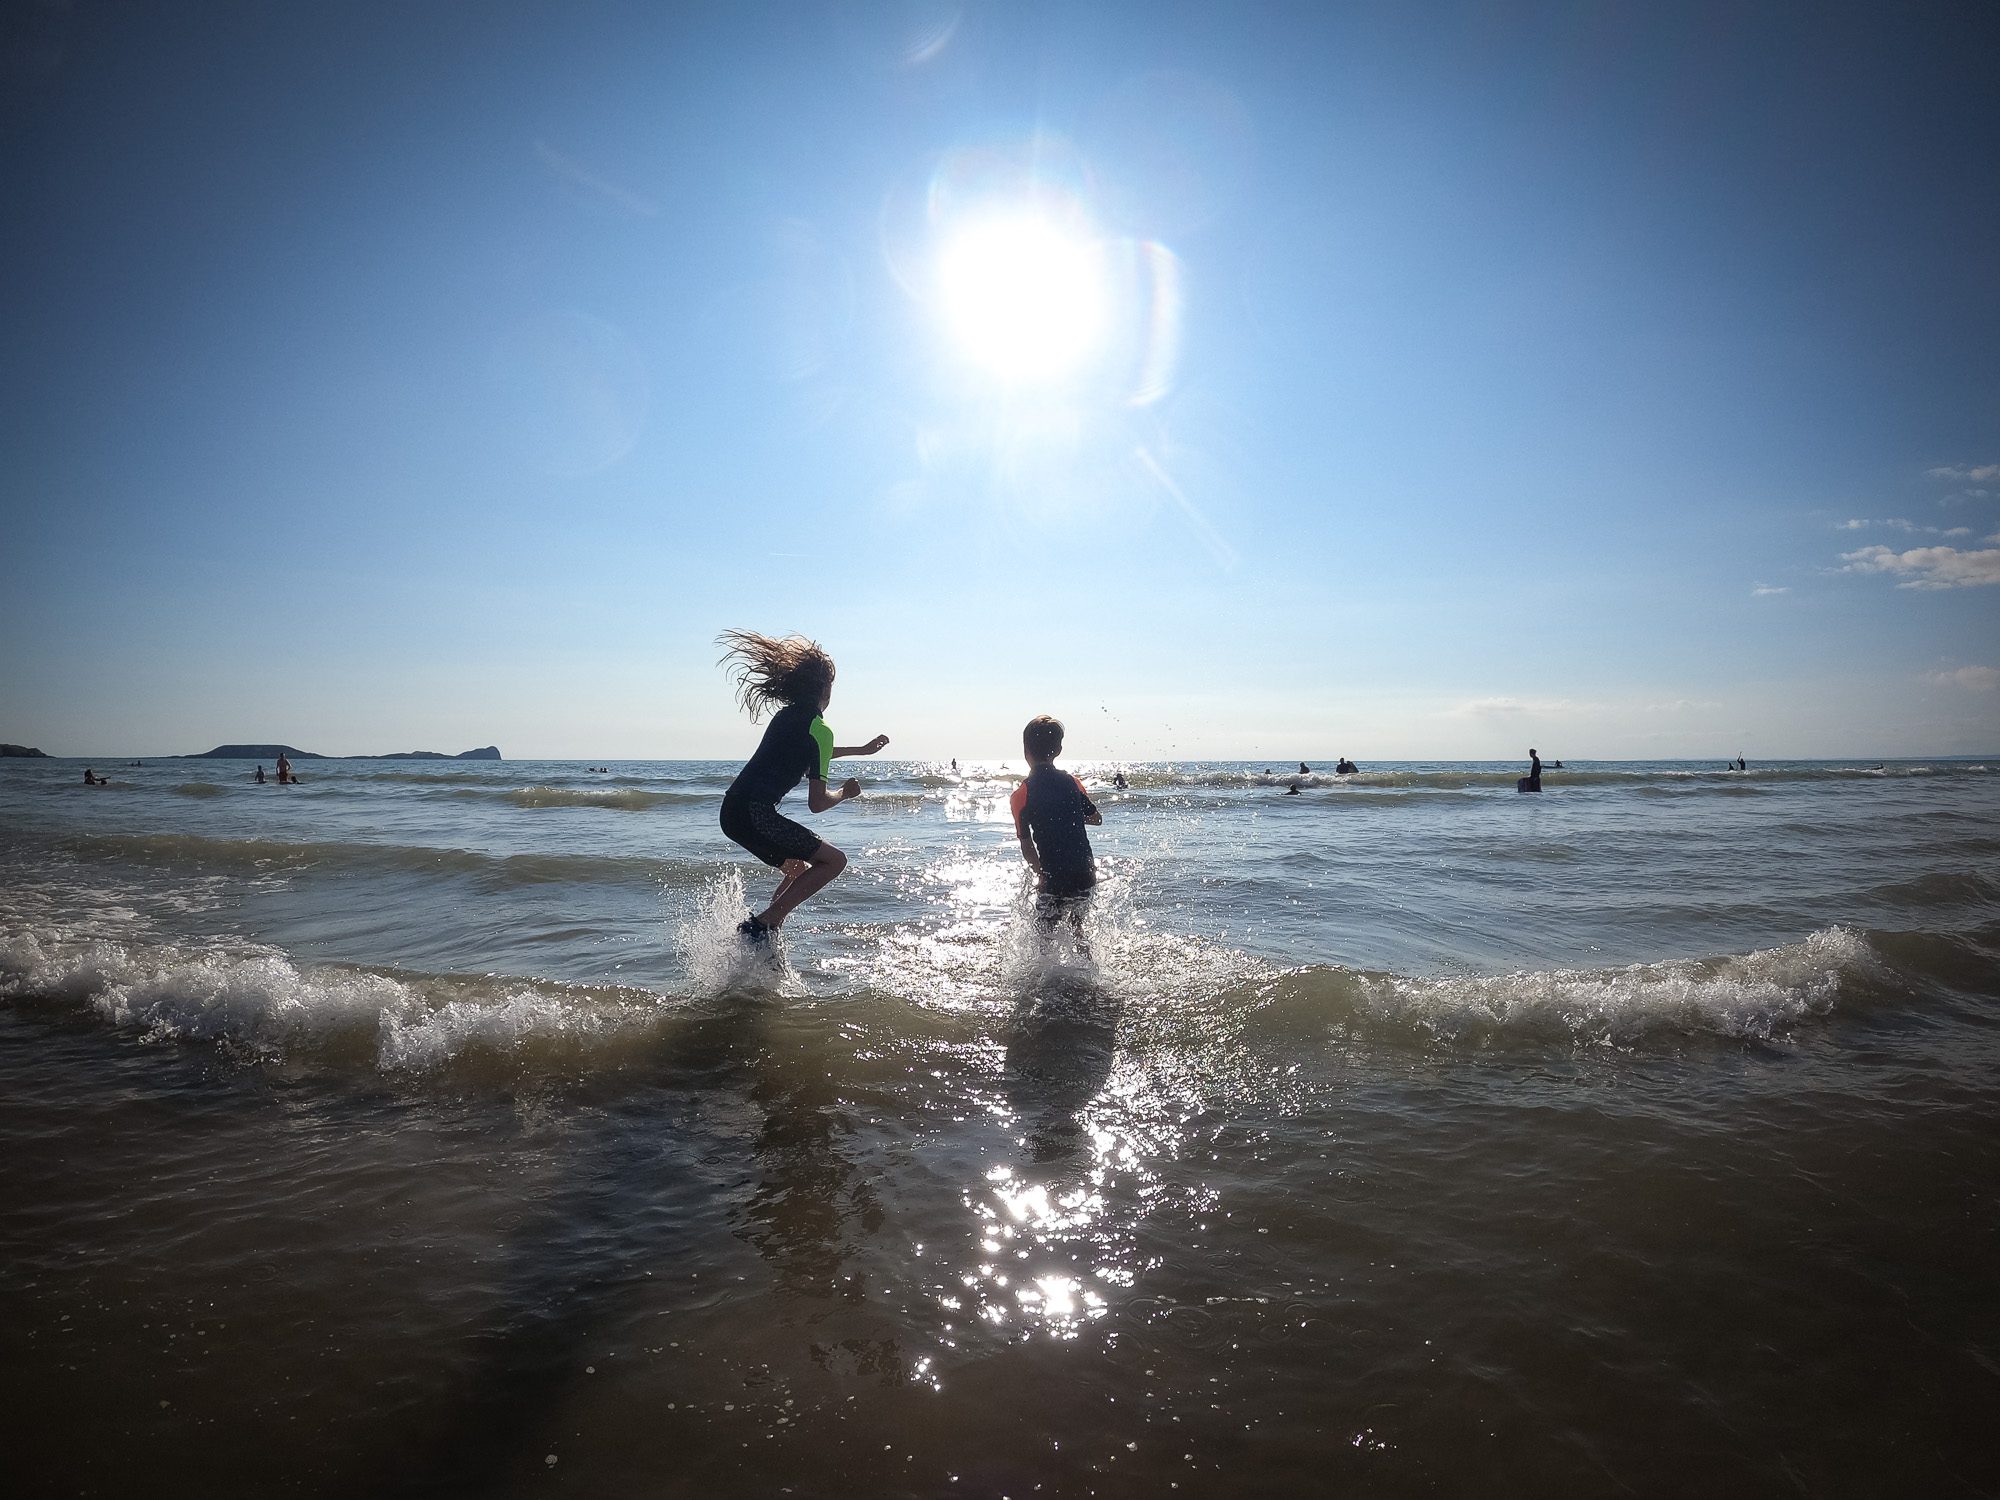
point(1679, 705)
point(1506, 709)
point(1891, 523)
point(1961, 471)
point(1958, 531)
point(1765, 590)
point(1972, 679)
point(1993, 540)
point(1485, 708)
point(1928, 567)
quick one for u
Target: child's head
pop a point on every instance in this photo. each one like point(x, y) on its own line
point(772, 671)
point(1042, 740)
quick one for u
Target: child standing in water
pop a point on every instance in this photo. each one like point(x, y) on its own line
point(1050, 811)
point(795, 676)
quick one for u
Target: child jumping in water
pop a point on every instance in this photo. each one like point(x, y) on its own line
point(795, 676)
point(1050, 811)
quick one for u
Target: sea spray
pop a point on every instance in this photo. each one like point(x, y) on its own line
point(717, 958)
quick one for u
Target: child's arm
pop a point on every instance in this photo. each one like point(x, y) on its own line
point(819, 799)
point(1028, 850)
point(1090, 813)
point(868, 749)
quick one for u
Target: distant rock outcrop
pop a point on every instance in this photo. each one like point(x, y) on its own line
point(489, 752)
point(252, 752)
point(28, 753)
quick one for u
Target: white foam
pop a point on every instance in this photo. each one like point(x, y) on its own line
point(1752, 995)
point(717, 959)
point(261, 1001)
point(619, 799)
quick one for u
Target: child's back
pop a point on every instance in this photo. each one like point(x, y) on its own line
point(1051, 810)
point(1053, 807)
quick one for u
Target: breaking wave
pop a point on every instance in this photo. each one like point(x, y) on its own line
point(260, 1004)
point(1752, 996)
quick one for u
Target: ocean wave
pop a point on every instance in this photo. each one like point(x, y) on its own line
point(199, 789)
point(1477, 778)
point(193, 852)
point(433, 778)
point(618, 799)
point(1752, 996)
point(261, 1005)
point(1941, 888)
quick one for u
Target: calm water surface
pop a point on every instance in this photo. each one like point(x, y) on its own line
point(422, 1130)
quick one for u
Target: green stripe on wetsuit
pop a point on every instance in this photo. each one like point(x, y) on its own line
point(823, 738)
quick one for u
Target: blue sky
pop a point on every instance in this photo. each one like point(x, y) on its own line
point(1623, 380)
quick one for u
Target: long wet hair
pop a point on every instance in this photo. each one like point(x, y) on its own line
point(773, 671)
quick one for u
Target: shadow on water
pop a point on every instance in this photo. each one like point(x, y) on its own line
point(647, 1169)
point(1061, 1042)
point(626, 1206)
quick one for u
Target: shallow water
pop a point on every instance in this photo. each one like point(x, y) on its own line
point(422, 1129)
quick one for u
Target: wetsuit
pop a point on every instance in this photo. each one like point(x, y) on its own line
point(1052, 805)
point(1535, 774)
point(796, 745)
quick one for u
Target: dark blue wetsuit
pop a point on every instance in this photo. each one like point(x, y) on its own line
point(1052, 805)
point(796, 745)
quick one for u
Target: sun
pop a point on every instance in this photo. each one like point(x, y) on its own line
point(1023, 296)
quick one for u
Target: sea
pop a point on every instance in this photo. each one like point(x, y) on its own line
point(425, 1129)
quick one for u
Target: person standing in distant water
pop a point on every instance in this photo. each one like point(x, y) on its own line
point(1118, 780)
point(284, 769)
point(1345, 767)
point(1304, 769)
point(1050, 811)
point(796, 676)
point(1742, 764)
point(260, 775)
point(1532, 782)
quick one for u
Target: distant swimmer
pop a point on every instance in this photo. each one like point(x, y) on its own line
point(954, 767)
point(1118, 780)
point(1345, 767)
point(91, 778)
point(1051, 810)
point(1292, 790)
point(260, 776)
point(1532, 782)
point(795, 676)
point(285, 776)
point(1742, 764)
point(1304, 769)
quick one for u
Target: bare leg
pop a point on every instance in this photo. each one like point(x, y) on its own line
point(825, 863)
point(793, 868)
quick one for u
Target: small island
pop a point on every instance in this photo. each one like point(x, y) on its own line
point(25, 752)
